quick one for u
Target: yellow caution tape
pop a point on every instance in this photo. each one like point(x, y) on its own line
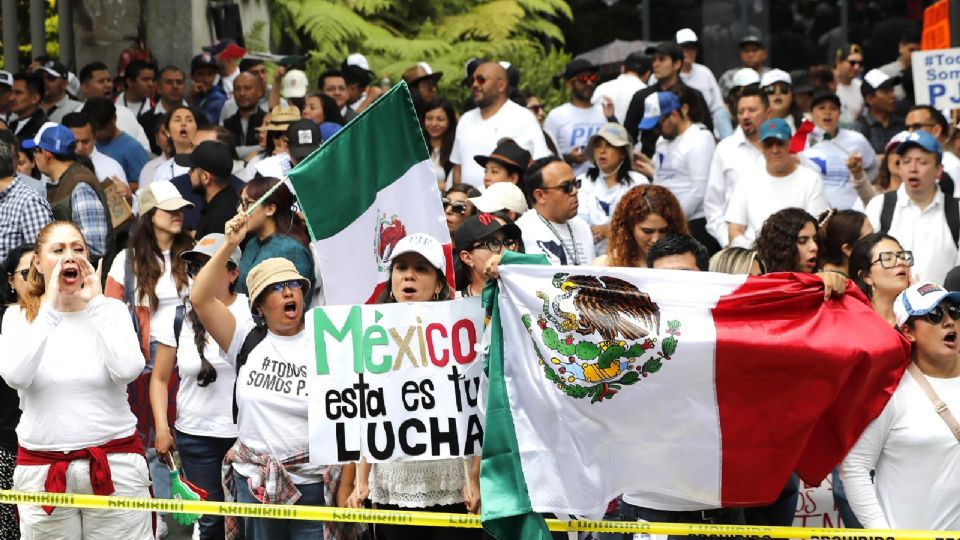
point(438, 519)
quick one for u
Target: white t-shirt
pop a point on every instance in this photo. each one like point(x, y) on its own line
point(162, 319)
point(620, 91)
point(734, 159)
point(149, 171)
point(829, 159)
point(207, 411)
point(754, 201)
point(572, 126)
point(272, 399)
point(917, 462)
point(682, 165)
point(851, 102)
point(598, 201)
point(478, 137)
point(562, 243)
point(925, 232)
point(106, 166)
point(71, 370)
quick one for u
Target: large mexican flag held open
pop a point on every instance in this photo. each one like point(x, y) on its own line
point(363, 190)
point(691, 390)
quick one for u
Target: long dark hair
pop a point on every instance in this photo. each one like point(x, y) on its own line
point(386, 295)
point(148, 259)
point(446, 144)
point(882, 181)
point(208, 374)
point(777, 241)
point(836, 228)
point(167, 116)
point(862, 258)
point(331, 113)
point(288, 222)
point(8, 295)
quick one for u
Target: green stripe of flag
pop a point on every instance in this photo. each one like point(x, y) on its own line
point(340, 180)
point(506, 509)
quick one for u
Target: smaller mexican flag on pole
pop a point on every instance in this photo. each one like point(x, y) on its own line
point(363, 190)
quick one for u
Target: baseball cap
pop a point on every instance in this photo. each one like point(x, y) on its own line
point(656, 106)
point(745, 77)
point(920, 299)
point(686, 35)
point(667, 48)
point(896, 140)
point(6, 78)
point(424, 244)
point(501, 196)
point(358, 60)
point(208, 246)
point(303, 137)
point(163, 195)
point(613, 133)
point(53, 138)
point(328, 129)
point(923, 140)
point(875, 80)
point(270, 271)
point(577, 65)
point(751, 38)
point(202, 61)
point(801, 82)
point(510, 154)
point(420, 72)
point(55, 69)
point(294, 84)
point(775, 128)
point(211, 156)
point(848, 49)
point(775, 76)
point(821, 95)
point(468, 68)
point(638, 62)
point(480, 226)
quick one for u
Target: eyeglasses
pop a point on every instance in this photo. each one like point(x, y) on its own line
point(23, 273)
point(855, 62)
point(566, 187)
point(777, 89)
point(917, 126)
point(496, 245)
point(246, 203)
point(586, 78)
point(935, 315)
point(280, 286)
point(888, 259)
point(457, 207)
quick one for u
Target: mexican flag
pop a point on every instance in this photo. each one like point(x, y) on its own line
point(363, 190)
point(693, 390)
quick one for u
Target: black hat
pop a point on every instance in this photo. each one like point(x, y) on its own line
point(510, 154)
point(303, 137)
point(638, 62)
point(480, 226)
point(54, 68)
point(666, 48)
point(821, 95)
point(847, 50)
point(201, 61)
point(211, 156)
point(751, 37)
point(468, 68)
point(576, 66)
point(801, 81)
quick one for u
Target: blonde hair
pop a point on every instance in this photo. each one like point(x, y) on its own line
point(36, 286)
point(734, 260)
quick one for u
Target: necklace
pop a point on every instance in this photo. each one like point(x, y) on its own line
point(573, 240)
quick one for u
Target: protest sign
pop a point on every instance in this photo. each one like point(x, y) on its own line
point(936, 78)
point(395, 382)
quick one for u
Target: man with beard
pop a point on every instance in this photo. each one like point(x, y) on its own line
point(171, 85)
point(683, 155)
point(736, 157)
point(210, 167)
point(879, 123)
point(572, 124)
point(494, 118)
point(249, 116)
point(56, 103)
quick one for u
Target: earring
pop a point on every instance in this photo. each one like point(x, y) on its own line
point(391, 295)
point(436, 296)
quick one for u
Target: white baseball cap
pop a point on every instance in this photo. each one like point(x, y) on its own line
point(775, 76)
point(424, 244)
point(501, 196)
point(920, 299)
point(745, 76)
point(686, 35)
point(163, 195)
point(359, 60)
point(294, 84)
point(6, 78)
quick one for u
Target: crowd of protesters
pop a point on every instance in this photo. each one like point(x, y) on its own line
point(139, 287)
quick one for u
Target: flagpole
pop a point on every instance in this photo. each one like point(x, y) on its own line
point(263, 198)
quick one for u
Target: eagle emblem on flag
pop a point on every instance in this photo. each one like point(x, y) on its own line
point(597, 334)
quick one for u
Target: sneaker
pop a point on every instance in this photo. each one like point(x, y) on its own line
point(196, 531)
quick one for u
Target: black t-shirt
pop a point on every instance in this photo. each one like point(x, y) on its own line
point(648, 138)
point(216, 213)
point(9, 409)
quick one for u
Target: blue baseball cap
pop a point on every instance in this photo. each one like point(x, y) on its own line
point(775, 128)
point(53, 138)
point(656, 106)
point(923, 140)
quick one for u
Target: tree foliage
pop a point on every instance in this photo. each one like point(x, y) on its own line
point(396, 34)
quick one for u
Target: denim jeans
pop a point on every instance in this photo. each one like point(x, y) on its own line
point(279, 529)
point(202, 459)
point(779, 513)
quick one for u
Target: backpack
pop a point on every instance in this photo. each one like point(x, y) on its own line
point(128, 298)
point(951, 210)
point(257, 335)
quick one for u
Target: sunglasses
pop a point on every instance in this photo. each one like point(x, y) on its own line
point(566, 187)
point(777, 89)
point(935, 315)
point(457, 207)
point(855, 62)
point(280, 286)
point(23, 273)
point(479, 79)
point(496, 245)
point(888, 259)
point(586, 78)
